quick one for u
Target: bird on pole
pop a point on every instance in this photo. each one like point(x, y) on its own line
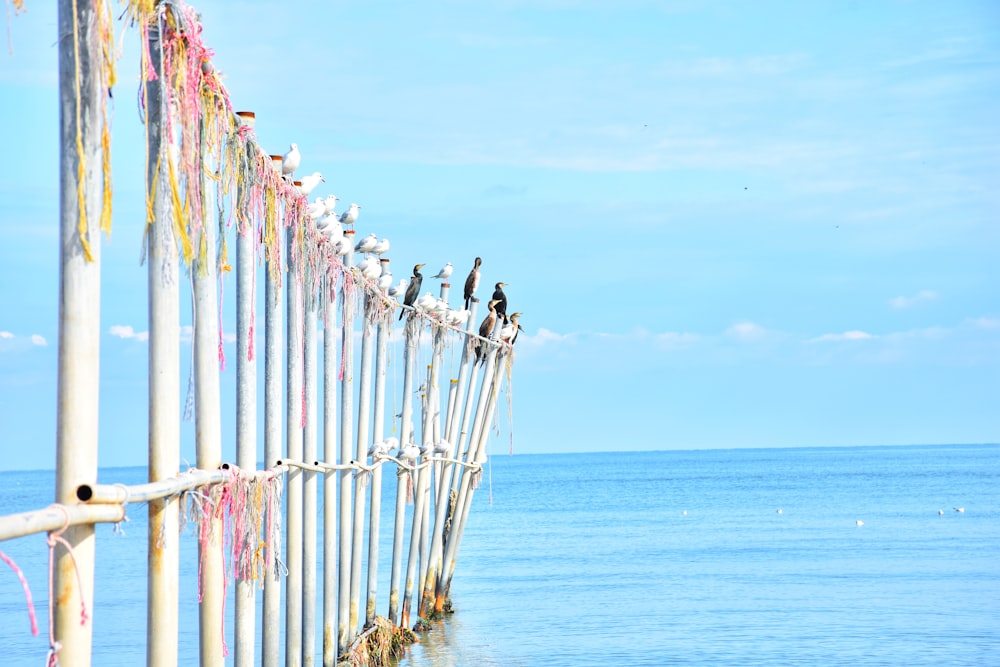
point(444, 273)
point(309, 183)
point(486, 328)
point(290, 160)
point(366, 244)
point(508, 334)
point(398, 290)
point(330, 204)
point(472, 283)
point(413, 289)
point(381, 247)
point(350, 215)
point(501, 299)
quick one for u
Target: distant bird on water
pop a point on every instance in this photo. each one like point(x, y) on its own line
point(445, 272)
point(290, 160)
point(413, 289)
point(309, 182)
point(350, 215)
point(859, 523)
point(486, 328)
point(501, 299)
point(959, 509)
point(472, 283)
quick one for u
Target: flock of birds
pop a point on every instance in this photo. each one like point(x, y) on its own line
point(332, 227)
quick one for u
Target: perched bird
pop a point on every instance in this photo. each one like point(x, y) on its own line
point(456, 318)
point(385, 281)
point(370, 267)
point(397, 291)
point(444, 272)
point(381, 247)
point(290, 160)
point(330, 227)
point(317, 209)
point(501, 299)
point(413, 289)
point(366, 244)
point(472, 282)
point(350, 215)
point(440, 307)
point(331, 204)
point(342, 246)
point(409, 453)
point(310, 182)
point(379, 449)
point(486, 329)
point(508, 333)
point(426, 302)
point(442, 447)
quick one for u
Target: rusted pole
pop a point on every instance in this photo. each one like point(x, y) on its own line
point(164, 388)
point(411, 334)
point(79, 315)
point(310, 455)
point(246, 412)
point(294, 322)
point(208, 431)
point(330, 449)
point(346, 453)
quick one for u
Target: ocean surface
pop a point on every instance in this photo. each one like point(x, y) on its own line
point(654, 558)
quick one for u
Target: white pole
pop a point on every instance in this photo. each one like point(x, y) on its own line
point(164, 390)
point(79, 319)
point(375, 509)
point(330, 449)
point(309, 505)
point(361, 452)
point(346, 424)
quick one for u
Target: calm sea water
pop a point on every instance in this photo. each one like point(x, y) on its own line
point(652, 559)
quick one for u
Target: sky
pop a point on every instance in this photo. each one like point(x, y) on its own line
point(727, 224)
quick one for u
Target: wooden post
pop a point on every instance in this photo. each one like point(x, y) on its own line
point(79, 317)
point(164, 386)
point(294, 323)
point(208, 432)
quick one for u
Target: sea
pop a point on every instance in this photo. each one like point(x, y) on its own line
point(802, 556)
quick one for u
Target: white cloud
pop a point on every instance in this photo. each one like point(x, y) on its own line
point(6, 334)
point(978, 322)
point(125, 331)
point(39, 340)
point(902, 302)
point(847, 335)
point(545, 336)
point(746, 331)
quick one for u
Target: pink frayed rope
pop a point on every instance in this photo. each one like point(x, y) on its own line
point(55, 537)
point(27, 591)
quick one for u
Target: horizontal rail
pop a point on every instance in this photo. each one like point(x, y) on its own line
point(57, 516)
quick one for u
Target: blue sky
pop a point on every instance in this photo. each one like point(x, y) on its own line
point(728, 224)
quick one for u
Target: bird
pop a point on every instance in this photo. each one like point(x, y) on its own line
point(330, 227)
point(308, 183)
point(385, 281)
point(316, 209)
point(940, 512)
point(413, 289)
point(366, 244)
point(960, 509)
point(779, 510)
point(859, 523)
point(379, 449)
point(456, 318)
point(472, 282)
point(290, 160)
point(342, 246)
point(331, 204)
point(486, 328)
point(442, 447)
point(350, 215)
point(501, 299)
point(370, 267)
point(409, 453)
point(508, 333)
point(381, 247)
point(444, 272)
point(397, 290)
point(427, 301)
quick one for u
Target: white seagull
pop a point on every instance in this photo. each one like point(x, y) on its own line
point(366, 244)
point(427, 302)
point(290, 160)
point(342, 246)
point(310, 182)
point(444, 272)
point(317, 209)
point(329, 226)
point(399, 290)
point(442, 447)
point(378, 450)
point(959, 509)
point(370, 267)
point(457, 318)
point(381, 247)
point(859, 523)
point(385, 281)
point(331, 203)
point(350, 215)
point(409, 453)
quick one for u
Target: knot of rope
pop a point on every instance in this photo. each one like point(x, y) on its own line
point(55, 537)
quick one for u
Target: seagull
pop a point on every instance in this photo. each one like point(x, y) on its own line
point(385, 280)
point(366, 244)
point(370, 267)
point(290, 160)
point(444, 272)
point(379, 449)
point(413, 289)
point(472, 282)
point(859, 523)
point(456, 318)
point(485, 329)
point(317, 209)
point(940, 512)
point(959, 509)
point(397, 290)
point(331, 203)
point(350, 215)
point(409, 453)
point(442, 447)
point(779, 510)
point(342, 246)
point(308, 183)
point(381, 247)
point(329, 227)
point(501, 299)
point(427, 302)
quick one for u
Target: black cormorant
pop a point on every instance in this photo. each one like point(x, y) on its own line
point(501, 300)
point(413, 289)
point(472, 283)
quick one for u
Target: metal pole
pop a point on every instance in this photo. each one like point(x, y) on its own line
point(246, 413)
point(164, 389)
point(270, 633)
point(375, 509)
point(361, 452)
point(293, 424)
point(330, 449)
point(79, 317)
point(411, 333)
point(309, 505)
point(346, 424)
point(208, 433)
